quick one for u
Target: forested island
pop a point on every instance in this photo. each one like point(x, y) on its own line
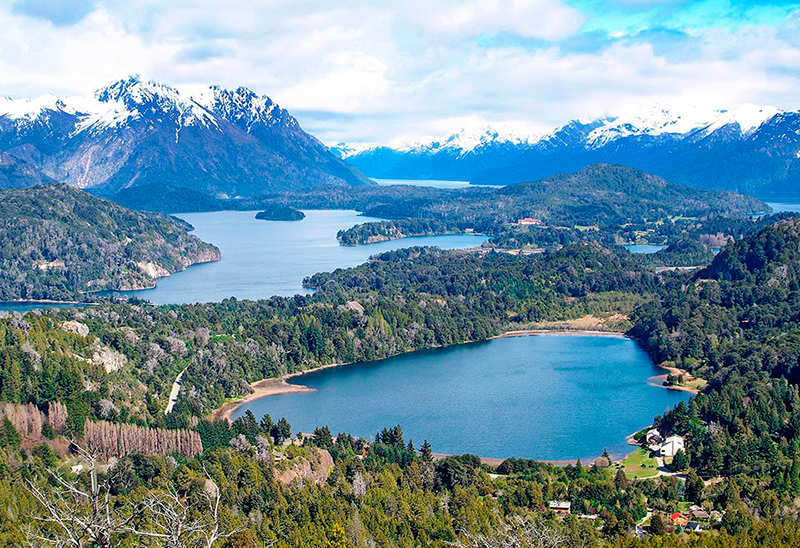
point(277, 212)
point(59, 243)
point(96, 374)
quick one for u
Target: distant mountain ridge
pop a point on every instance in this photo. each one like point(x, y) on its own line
point(752, 148)
point(220, 142)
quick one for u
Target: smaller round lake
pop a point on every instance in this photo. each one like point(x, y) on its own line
point(549, 397)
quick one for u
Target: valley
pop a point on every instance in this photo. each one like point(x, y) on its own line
point(218, 332)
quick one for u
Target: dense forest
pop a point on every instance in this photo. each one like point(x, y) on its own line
point(73, 373)
point(57, 242)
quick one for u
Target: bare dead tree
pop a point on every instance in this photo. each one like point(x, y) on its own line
point(175, 522)
point(517, 532)
point(76, 517)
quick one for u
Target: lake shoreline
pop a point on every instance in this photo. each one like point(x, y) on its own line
point(274, 386)
point(659, 380)
point(279, 385)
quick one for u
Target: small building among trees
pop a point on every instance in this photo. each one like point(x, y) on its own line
point(561, 507)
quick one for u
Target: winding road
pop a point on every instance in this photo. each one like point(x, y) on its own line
point(173, 394)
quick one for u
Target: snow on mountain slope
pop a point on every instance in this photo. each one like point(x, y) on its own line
point(138, 132)
point(655, 120)
point(748, 117)
point(459, 143)
point(29, 109)
point(751, 148)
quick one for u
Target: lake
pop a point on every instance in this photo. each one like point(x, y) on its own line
point(27, 306)
point(549, 397)
point(422, 182)
point(644, 248)
point(265, 258)
point(780, 207)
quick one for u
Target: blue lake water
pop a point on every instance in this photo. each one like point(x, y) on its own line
point(23, 307)
point(780, 207)
point(549, 397)
point(644, 248)
point(421, 182)
point(265, 258)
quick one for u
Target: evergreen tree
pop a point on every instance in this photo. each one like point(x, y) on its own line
point(656, 525)
point(425, 451)
point(679, 461)
point(694, 487)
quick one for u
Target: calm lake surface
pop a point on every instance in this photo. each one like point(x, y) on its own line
point(780, 207)
point(644, 248)
point(550, 397)
point(422, 182)
point(23, 307)
point(265, 258)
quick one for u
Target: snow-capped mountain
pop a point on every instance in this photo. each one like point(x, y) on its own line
point(750, 148)
point(136, 132)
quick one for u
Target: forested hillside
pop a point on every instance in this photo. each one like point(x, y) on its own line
point(58, 243)
point(615, 201)
point(733, 323)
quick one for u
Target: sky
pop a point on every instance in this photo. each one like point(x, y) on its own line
point(380, 72)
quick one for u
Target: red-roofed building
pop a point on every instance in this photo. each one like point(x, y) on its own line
point(679, 519)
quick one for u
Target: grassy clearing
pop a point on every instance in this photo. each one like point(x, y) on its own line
point(639, 465)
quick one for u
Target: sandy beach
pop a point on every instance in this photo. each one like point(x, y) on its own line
point(268, 387)
point(659, 380)
point(526, 332)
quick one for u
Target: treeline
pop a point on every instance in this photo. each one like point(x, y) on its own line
point(108, 439)
point(380, 493)
point(381, 231)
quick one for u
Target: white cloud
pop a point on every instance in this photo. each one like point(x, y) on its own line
point(368, 71)
point(544, 19)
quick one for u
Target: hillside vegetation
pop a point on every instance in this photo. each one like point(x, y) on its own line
point(57, 243)
point(64, 372)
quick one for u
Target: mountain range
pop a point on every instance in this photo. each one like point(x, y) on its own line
point(223, 143)
point(752, 148)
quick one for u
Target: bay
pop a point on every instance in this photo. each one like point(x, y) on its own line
point(265, 258)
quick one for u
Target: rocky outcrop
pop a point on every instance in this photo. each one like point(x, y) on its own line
point(75, 327)
point(108, 358)
point(316, 468)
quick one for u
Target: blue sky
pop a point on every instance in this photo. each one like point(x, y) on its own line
point(360, 70)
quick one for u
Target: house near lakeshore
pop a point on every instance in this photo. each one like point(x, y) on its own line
point(671, 446)
point(529, 221)
point(654, 437)
point(560, 507)
point(699, 513)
